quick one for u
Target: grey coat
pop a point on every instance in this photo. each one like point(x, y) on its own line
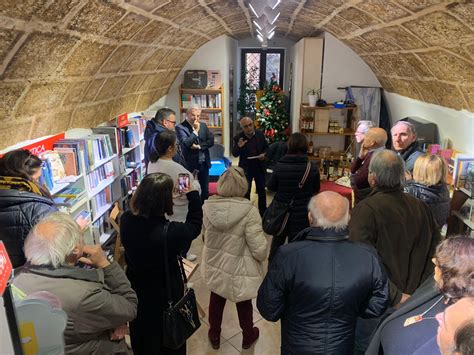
point(95, 300)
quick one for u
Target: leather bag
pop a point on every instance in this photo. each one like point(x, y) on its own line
point(275, 218)
point(180, 320)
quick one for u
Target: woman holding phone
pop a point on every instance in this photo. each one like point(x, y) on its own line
point(161, 161)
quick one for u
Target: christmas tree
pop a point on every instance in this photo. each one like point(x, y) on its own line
point(272, 116)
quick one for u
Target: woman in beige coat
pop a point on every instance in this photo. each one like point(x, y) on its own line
point(234, 249)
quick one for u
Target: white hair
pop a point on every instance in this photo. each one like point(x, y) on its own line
point(52, 240)
point(320, 220)
point(410, 126)
point(194, 107)
point(365, 125)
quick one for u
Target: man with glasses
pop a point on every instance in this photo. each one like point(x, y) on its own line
point(251, 147)
point(164, 119)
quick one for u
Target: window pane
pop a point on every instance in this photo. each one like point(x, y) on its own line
point(252, 64)
point(272, 72)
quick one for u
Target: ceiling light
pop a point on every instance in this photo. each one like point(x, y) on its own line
point(257, 7)
point(274, 20)
point(260, 38)
point(271, 35)
point(274, 3)
point(257, 24)
point(271, 30)
point(260, 33)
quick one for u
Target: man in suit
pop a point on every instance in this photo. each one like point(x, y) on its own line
point(196, 139)
point(251, 147)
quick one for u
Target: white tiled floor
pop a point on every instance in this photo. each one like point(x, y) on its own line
point(231, 336)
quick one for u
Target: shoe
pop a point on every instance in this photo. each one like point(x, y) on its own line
point(191, 257)
point(215, 341)
point(247, 343)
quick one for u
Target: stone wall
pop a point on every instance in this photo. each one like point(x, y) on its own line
point(76, 63)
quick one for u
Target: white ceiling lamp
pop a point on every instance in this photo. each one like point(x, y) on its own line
point(272, 18)
point(258, 25)
point(271, 35)
point(273, 3)
point(260, 33)
point(260, 38)
point(257, 7)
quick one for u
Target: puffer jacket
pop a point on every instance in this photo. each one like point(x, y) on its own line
point(435, 196)
point(234, 248)
point(284, 181)
point(19, 212)
point(318, 286)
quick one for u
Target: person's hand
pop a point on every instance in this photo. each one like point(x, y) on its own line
point(94, 256)
point(363, 151)
point(408, 175)
point(261, 156)
point(195, 146)
point(119, 332)
point(196, 126)
point(404, 298)
point(241, 142)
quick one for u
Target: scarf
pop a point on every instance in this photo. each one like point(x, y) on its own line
point(16, 183)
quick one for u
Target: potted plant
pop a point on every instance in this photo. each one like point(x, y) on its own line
point(314, 95)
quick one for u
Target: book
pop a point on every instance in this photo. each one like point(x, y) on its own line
point(69, 160)
point(55, 164)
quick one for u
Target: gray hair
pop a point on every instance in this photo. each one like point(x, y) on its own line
point(329, 210)
point(52, 240)
point(193, 107)
point(163, 114)
point(365, 125)
point(388, 168)
point(409, 125)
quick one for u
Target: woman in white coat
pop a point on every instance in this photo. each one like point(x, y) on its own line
point(234, 249)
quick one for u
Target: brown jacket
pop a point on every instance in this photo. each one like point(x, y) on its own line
point(96, 301)
point(403, 231)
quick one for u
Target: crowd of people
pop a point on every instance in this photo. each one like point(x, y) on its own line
point(377, 278)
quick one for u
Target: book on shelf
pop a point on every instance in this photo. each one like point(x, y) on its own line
point(202, 100)
point(103, 198)
point(79, 146)
point(103, 172)
point(462, 165)
point(69, 159)
point(99, 148)
point(83, 218)
point(114, 136)
point(69, 196)
point(55, 164)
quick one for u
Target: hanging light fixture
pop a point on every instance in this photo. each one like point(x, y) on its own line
point(267, 15)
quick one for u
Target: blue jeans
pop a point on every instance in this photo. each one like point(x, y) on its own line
point(259, 177)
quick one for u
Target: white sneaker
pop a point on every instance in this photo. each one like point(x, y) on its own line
point(191, 257)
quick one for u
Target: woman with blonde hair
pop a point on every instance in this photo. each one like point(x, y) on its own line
point(234, 249)
point(429, 185)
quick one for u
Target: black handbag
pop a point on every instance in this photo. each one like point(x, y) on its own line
point(180, 320)
point(275, 217)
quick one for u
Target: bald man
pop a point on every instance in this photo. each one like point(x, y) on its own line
point(319, 284)
point(374, 141)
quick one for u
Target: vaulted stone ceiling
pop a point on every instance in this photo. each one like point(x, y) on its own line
point(76, 63)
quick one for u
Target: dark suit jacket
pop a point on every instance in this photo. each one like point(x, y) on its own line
point(243, 154)
point(187, 138)
point(426, 293)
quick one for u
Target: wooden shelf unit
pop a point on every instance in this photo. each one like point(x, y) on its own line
point(319, 117)
point(211, 102)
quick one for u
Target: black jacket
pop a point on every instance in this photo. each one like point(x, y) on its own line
point(435, 196)
point(276, 151)
point(142, 239)
point(404, 232)
point(19, 212)
point(195, 157)
point(243, 153)
point(151, 130)
point(284, 181)
point(318, 286)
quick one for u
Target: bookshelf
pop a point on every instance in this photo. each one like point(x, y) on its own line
point(212, 106)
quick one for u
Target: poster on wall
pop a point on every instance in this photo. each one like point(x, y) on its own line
point(214, 79)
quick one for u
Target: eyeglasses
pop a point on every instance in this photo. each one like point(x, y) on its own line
point(248, 125)
point(173, 122)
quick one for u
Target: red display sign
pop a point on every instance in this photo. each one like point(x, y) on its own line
point(5, 268)
point(43, 145)
point(122, 120)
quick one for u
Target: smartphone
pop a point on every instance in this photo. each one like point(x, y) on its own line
point(183, 182)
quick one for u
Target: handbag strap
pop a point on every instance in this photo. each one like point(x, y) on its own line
point(167, 269)
point(305, 176)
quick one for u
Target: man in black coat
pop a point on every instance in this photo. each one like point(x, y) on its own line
point(251, 147)
point(195, 140)
point(319, 284)
point(401, 228)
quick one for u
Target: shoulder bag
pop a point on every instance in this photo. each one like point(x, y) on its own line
point(275, 217)
point(180, 320)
